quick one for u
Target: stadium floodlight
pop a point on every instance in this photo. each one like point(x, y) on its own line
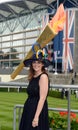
point(5, 1)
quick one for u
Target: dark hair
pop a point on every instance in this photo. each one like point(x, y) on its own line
point(32, 72)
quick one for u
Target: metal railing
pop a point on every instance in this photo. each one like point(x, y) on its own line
point(19, 107)
point(57, 86)
point(13, 85)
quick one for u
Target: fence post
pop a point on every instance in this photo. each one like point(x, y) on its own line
point(69, 92)
point(14, 122)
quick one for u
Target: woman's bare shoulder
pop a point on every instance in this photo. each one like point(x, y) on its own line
point(44, 75)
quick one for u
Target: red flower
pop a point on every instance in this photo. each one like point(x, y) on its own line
point(72, 115)
point(77, 120)
point(52, 121)
point(63, 113)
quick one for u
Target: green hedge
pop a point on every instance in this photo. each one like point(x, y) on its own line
point(3, 89)
point(54, 93)
point(12, 89)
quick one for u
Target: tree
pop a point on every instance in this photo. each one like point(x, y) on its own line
point(1, 57)
point(13, 56)
point(9, 56)
point(1, 54)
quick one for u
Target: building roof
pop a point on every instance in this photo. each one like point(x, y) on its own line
point(15, 8)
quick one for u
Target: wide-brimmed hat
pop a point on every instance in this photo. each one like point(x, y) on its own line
point(38, 56)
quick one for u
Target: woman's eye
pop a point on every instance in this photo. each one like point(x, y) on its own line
point(39, 62)
point(33, 62)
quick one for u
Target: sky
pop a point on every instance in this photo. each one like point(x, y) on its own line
point(3, 1)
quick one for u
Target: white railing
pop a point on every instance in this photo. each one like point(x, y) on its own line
point(9, 85)
point(57, 86)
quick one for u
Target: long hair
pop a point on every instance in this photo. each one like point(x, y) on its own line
point(32, 72)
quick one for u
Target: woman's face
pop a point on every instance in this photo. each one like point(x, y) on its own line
point(37, 65)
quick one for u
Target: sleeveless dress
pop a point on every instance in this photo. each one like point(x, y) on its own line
point(30, 108)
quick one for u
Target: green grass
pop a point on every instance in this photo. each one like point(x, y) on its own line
point(9, 99)
point(7, 103)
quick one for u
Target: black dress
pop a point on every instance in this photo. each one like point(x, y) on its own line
point(30, 108)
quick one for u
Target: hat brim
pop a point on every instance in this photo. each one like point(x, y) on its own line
point(28, 62)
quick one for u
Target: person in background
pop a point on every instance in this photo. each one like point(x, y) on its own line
point(66, 93)
point(35, 111)
point(62, 93)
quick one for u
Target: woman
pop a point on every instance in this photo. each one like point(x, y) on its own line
point(35, 112)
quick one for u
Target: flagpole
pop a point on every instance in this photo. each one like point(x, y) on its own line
point(56, 51)
point(57, 4)
point(56, 64)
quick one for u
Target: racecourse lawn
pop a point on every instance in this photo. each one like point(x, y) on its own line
point(9, 99)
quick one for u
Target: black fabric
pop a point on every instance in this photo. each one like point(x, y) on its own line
point(30, 108)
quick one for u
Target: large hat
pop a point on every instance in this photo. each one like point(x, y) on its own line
point(39, 55)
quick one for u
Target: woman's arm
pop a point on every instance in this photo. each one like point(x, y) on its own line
point(43, 83)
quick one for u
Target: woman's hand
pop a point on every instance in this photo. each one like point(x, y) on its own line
point(35, 122)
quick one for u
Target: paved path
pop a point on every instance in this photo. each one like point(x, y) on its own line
point(7, 78)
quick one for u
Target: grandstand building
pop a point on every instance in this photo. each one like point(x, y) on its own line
point(18, 31)
point(21, 23)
